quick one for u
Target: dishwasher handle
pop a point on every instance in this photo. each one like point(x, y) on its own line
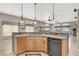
point(54, 40)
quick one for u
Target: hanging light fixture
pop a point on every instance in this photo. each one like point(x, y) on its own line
point(53, 12)
point(51, 21)
point(21, 23)
point(35, 22)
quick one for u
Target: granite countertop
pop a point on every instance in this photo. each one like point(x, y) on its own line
point(43, 35)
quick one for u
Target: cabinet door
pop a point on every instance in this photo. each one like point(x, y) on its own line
point(29, 43)
point(23, 43)
point(38, 44)
point(35, 43)
point(45, 44)
point(18, 44)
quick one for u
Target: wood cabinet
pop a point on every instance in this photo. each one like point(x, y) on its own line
point(38, 43)
point(45, 45)
point(64, 47)
point(20, 44)
point(18, 41)
point(23, 44)
point(31, 43)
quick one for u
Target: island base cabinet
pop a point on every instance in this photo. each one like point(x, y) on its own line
point(52, 46)
point(45, 46)
point(32, 44)
point(36, 44)
point(29, 43)
point(20, 44)
point(65, 48)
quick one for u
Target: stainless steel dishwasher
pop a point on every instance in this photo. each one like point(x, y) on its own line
point(54, 47)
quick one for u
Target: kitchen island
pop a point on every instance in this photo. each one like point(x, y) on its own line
point(53, 45)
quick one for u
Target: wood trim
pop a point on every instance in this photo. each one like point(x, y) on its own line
point(61, 47)
point(31, 51)
point(64, 47)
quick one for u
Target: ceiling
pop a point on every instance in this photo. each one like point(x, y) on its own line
point(63, 11)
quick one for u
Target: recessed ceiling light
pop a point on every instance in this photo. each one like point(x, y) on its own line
point(75, 10)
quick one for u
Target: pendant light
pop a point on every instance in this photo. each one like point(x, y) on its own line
point(22, 24)
point(53, 16)
point(53, 12)
point(35, 22)
point(51, 21)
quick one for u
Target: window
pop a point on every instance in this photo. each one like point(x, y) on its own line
point(63, 29)
point(8, 29)
point(29, 29)
point(14, 28)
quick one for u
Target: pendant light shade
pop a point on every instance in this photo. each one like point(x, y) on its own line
point(49, 19)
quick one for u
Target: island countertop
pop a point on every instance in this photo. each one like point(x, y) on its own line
point(37, 34)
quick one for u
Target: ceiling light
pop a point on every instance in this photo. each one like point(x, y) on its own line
point(75, 10)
